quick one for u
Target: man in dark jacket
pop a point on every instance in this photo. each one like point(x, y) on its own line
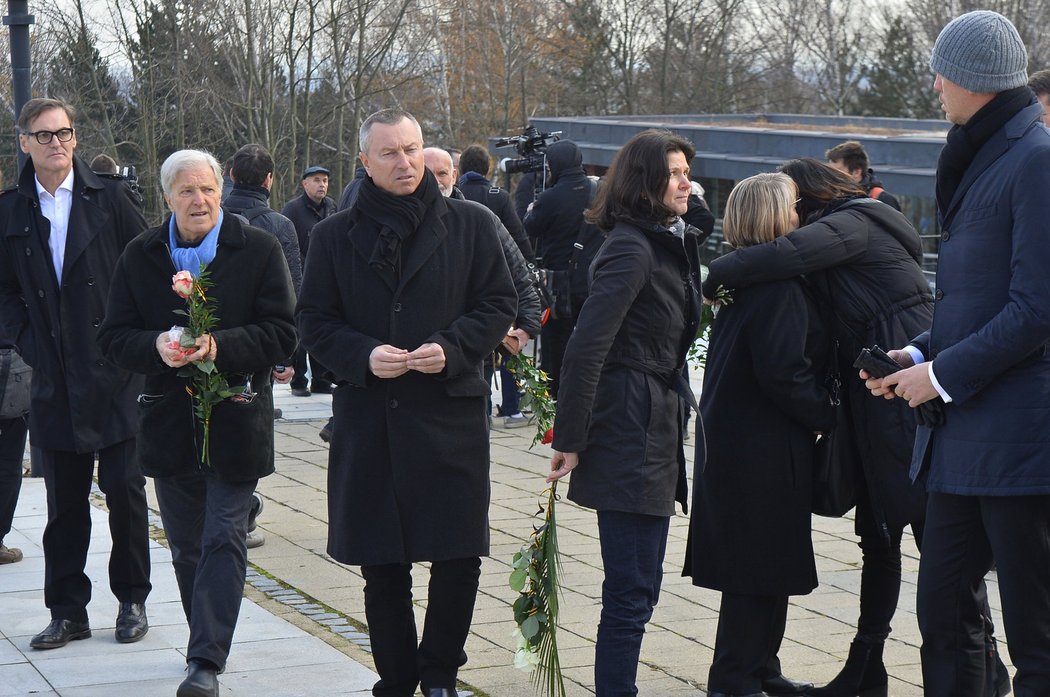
point(986, 356)
point(252, 174)
point(305, 211)
point(527, 321)
point(851, 159)
point(474, 167)
point(408, 470)
point(554, 223)
point(63, 229)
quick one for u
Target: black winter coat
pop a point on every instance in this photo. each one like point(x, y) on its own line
point(253, 293)
point(408, 476)
point(81, 401)
point(530, 310)
point(616, 407)
point(253, 202)
point(498, 201)
point(762, 402)
point(863, 258)
point(304, 214)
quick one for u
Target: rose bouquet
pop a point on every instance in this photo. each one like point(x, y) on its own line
point(207, 386)
point(535, 567)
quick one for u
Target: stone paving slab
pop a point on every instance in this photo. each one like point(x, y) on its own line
point(270, 655)
point(301, 598)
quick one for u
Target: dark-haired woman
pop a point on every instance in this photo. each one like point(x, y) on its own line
point(619, 425)
point(862, 257)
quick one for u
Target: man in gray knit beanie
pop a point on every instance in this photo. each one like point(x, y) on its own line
point(987, 356)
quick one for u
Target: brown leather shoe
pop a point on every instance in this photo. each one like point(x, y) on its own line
point(10, 555)
point(59, 633)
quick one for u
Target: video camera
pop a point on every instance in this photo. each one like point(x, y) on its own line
point(531, 146)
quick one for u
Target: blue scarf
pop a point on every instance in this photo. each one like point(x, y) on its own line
point(193, 258)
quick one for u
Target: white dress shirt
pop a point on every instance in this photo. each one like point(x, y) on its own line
point(56, 209)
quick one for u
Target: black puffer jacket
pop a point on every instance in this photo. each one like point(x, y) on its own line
point(863, 257)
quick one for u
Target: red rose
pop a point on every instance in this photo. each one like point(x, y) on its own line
point(548, 437)
point(182, 284)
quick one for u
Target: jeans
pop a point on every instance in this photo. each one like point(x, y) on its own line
point(206, 520)
point(633, 547)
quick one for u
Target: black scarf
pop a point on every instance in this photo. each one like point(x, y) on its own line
point(398, 217)
point(965, 141)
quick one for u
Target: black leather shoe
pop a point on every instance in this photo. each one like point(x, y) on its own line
point(726, 694)
point(201, 681)
point(440, 692)
point(300, 392)
point(132, 624)
point(781, 686)
point(59, 633)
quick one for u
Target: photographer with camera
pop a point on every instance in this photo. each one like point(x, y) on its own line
point(555, 223)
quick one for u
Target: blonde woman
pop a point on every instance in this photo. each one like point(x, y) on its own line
point(762, 404)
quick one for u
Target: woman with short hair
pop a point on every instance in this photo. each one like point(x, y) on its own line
point(763, 404)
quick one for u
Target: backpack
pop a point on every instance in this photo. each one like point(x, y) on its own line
point(588, 242)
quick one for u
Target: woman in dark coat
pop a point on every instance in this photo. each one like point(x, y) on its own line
point(620, 405)
point(204, 506)
point(762, 405)
point(862, 258)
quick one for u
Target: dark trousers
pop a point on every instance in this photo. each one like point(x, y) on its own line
point(12, 449)
point(880, 576)
point(206, 520)
point(750, 630)
point(963, 534)
point(633, 547)
point(554, 337)
point(67, 476)
point(401, 664)
point(317, 371)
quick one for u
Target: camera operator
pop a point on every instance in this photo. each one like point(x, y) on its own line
point(555, 223)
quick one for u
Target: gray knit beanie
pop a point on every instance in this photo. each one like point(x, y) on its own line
point(982, 52)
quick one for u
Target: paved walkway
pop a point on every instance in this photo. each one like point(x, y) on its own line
point(306, 610)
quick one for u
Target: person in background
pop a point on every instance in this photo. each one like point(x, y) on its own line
point(762, 406)
point(305, 211)
point(851, 159)
point(619, 423)
point(204, 502)
point(65, 226)
point(1039, 81)
point(104, 164)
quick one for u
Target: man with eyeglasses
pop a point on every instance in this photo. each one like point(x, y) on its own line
point(61, 232)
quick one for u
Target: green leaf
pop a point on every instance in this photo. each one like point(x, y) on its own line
point(517, 579)
point(530, 627)
point(206, 367)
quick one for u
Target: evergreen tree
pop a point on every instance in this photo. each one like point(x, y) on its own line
point(899, 82)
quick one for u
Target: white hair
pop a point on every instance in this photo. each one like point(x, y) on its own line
point(182, 160)
point(389, 117)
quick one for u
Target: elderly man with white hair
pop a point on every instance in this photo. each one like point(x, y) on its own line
point(204, 501)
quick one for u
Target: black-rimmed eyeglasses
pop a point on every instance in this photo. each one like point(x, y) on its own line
point(64, 135)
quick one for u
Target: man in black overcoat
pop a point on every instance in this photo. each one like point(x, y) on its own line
point(63, 228)
point(404, 294)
